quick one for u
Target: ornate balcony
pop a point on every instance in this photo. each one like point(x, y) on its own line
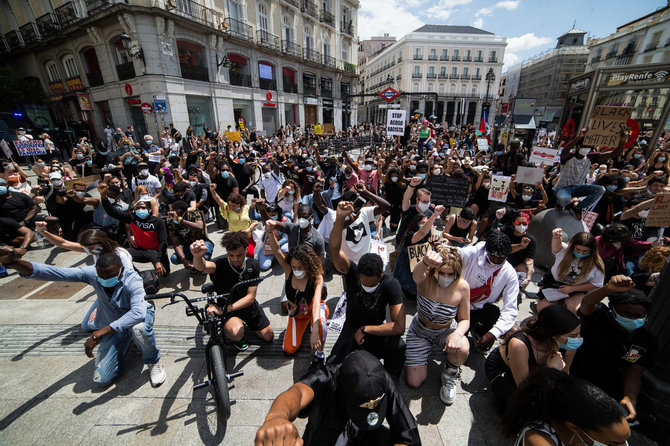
point(194, 72)
point(290, 48)
point(290, 87)
point(96, 6)
point(48, 24)
point(264, 38)
point(195, 11)
point(30, 33)
point(239, 79)
point(328, 60)
point(478, 59)
point(328, 18)
point(14, 40)
point(431, 75)
point(416, 76)
point(311, 55)
point(456, 58)
point(310, 9)
point(239, 29)
point(294, 3)
point(347, 28)
point(267, 84)
point(67, 14)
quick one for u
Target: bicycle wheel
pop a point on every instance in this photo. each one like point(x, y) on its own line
point(219, 380)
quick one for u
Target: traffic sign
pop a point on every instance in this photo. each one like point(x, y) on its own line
point(389, 94)
point(146, 108)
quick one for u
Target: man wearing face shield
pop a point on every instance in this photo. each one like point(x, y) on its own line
point(122, 313)
point(491, 278)
point(369, 293)
point(344, 404)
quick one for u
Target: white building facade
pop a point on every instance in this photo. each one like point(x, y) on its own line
point(267, 63)
point(441, 70)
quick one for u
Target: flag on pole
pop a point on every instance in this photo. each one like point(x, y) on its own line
point(485, 124)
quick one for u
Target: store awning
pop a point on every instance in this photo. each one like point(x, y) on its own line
point(524, 122)
point(499, 120)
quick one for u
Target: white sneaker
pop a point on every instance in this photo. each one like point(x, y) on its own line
point(157, 373)
point(450, 379)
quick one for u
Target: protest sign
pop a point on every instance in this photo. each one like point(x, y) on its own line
point(543, 155)
point(317, 129)
point(86, 180)
point(5, 148)
point(380, 248)
point(261, 133)
point(448, 191)
point(395, 122)
point(416, 253)
point(499, 188)
point(483, 144)
point(605, 126)
point(529, 175)
point(659, 214)
point(328, 129)
point(233, 136)
point(589, 218)
point(155, 158)
point(29, 148)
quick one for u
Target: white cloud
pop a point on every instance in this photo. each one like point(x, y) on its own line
point(484, 11)
point(478, 23)
point(376, 17)
point(509, 5)
point(526, 42)
point(439, 12)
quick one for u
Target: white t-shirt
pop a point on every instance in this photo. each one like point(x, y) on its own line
point(356, 238)
point(271, 185)
point(326, 225)
point(596, 277)
point(126, 258)
point(151, 183)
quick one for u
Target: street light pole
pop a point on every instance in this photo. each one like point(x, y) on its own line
point(490, 77)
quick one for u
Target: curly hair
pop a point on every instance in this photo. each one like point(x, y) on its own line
point(450, 259)
point(235, 240)
point(236, 198)
point(296, 187)
point(308, 257)
point(587, 264)
point(654, 260)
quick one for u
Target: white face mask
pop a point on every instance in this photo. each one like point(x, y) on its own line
point(81, 194)
point(526, 197)
point(368, 167)
point(303, 223)
point(584, 152)
point(617, 245)
point(57, 183)
point(266, 175)
point(521, 228)
point(299, 273)
point(437, 171)
point(423, 207)
point(444, 281)
point(370, 289)
point(394, 179)
point(486, 184)
point(111, 200)
point(144, 172)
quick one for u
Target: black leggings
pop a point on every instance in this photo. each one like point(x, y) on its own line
point(483, 320)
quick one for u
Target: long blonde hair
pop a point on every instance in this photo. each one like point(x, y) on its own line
point(450, 259)
point(592, 261)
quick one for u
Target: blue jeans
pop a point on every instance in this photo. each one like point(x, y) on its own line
point(189, 256)
point(592, 193)
point(113, 349)
point(266, 259)
point(424, 142)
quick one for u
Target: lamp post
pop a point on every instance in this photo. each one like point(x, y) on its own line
point(490, 77)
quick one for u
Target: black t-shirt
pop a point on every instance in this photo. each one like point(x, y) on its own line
point(225, 186)
point(8, 229)
point(327, 412)
point(15, 205)
point(407, 216)
point(101, 160)
point(187, 197)
point(226, 276)
point(519, 257)
point(369, 308)
point(243, 173)
point(609, 349)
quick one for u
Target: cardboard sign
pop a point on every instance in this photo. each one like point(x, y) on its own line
point(380, 248)
point(483, 144)
point(395, 122)
point(543, 156)
point(5, 148)
point(605, 125)
point(328, 129)
point(499, 188)
point(86, 180)
point(448, 191)
point(416, 253)
point(29, 148)
point(233, 136)
point(529, 175)
point(659, 214)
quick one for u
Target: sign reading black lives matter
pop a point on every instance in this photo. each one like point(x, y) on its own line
point(448, 191)
point(395, 122)
point(605, 126)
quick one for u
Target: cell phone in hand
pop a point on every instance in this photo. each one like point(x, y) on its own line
point(359, 203)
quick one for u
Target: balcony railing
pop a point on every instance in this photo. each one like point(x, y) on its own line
point(48, 24)
point(610, 54)
point(467, 59)
point(456, 58)
point(418, 57)
point(95, 79)
point(264, 38)
point(95, 6)
point(290, 88)
point(67, 14)
point(240, 79)
point(328, 18)
point(453, 76)
point(398, 77)
point(294, 3)
point(465, 77)
point(443, 76)
point(432, 57)
point(194, 72)
point(310, 8)
point(431, 75)
point(493, 60)
point(595, 58)
point(14, 39)
point(125, 70)
point(478, 59)
point(29, 33)
point(311, 55)
point(399, 59)
point(290, 48)
point(444, 57)
point(239, 29)
point(416, 76)
point(309, 90)
point(476, 77)
point(267, 84)
point(328, 60)
point(347, 27)
point(195, 11)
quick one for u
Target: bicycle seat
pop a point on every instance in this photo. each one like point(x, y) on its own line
point(207, 288)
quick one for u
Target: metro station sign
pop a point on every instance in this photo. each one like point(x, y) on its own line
point(389, 94)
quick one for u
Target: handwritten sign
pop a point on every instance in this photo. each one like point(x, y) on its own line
point(659, 214)
point(416, 253)
point(483, 144)
point(448, 191)
point(5, 148)
point(395, 122)
point(29, 148)
point(233, 136)
point(499, 188)
point(529, 175)
point(86, 180)
point(605, 126)
point(543, 156)
point(317, 129)
point(155, 158)
point(328, 129)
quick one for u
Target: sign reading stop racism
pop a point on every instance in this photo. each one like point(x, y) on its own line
point(146, 108)
point(389, 94)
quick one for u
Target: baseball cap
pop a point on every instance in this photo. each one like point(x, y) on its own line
point(364, 386)
point(142, 164)
point(55, 176)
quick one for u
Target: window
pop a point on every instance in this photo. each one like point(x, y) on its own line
point(454, 71)
point(452, 88)
point(52, 72)
point(477, 73)
point(287, 30)
point(415, 87)
point(345, 52)
point(443, 71)
point(70, 67)
point(417, 54)
point(417, 70)
point(234, 10)
point(192, 61)
point(309, 38)
point(266, 76)
point(465, 71)
point(289, 80)
point(464, 88)
point(431, 71)
point(474, 89)
point(479, 54)
point(262, 18)
point(456, 54)
point(91, 60)
point(121, 51)
point(492, 56)
point(444, 55)
point(468, 54)
point(433, 54)
point(326, 44)
point(441, 88)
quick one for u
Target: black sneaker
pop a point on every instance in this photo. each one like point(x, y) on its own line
point(317, 363)
point(576, 212)
point(241, 345)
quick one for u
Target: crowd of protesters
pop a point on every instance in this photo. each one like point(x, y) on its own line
point(311, 205)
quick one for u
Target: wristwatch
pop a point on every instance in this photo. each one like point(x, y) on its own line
point(95, 338)
point(363, 329)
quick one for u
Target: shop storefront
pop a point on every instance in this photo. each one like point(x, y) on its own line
point(310, 110)
point(644, 87)
point(328, 111)
point(199, 110)
point(244, 110)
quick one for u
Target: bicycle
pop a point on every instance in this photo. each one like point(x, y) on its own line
point(216, 354)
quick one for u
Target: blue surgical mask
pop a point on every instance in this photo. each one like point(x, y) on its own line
point(89, 162)
point(3, 190)
point(628, 323)
point(109, 283)
point(661, 159)
point(573, 343)
point(421, 175)
point(637, 155)
point(611, 188)
point(580, 256)
point(225, 174)
point(309, 168)
point(103, 152)
point(276, 217)
point(142, 213)
point(241, 161)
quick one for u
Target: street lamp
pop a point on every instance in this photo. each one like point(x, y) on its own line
point(490, 77)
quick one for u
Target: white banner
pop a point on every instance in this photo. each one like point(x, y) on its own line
point(543, 155)
point(28, 148)
point(395, 122)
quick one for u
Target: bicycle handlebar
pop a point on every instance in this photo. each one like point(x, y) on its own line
point(173, 294)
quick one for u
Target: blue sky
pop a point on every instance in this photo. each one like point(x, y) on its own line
point(531, 26)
